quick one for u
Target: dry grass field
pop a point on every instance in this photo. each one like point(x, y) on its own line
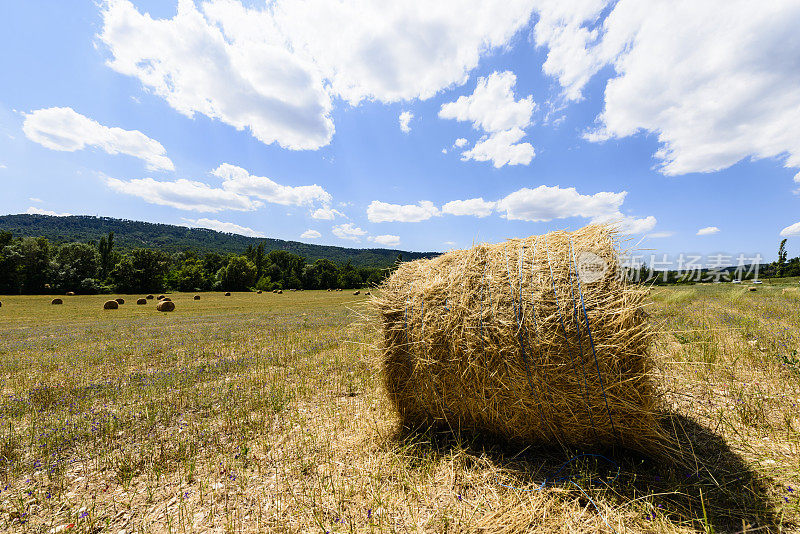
point(264, 413)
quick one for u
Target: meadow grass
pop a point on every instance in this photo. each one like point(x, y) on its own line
point(265, 413)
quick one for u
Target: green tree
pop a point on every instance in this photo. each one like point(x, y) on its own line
point(191, 276)
point(141, 270)
point(75, 262)
point(35, 264)
point(348, 277)
point(781, 259)
point(106, 250)
point(10, 265)
point(238, 275)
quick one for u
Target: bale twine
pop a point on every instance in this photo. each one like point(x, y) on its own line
point(56, 301)
point(139, 302)
point(197, 297)
point(165, 306)
point(111, 305)
point(120, 301)
point(538, 340)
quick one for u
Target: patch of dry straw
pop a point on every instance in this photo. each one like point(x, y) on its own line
point(510, 339)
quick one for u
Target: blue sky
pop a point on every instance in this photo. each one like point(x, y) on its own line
point(285, 121)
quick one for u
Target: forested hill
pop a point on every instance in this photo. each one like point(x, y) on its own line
point(171, 238)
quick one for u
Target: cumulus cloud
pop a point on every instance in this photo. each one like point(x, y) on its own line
point(708, 230)
point(386, 240)
point(33, 210)
point(460, 142)
point(492, 108)
point(274, 70)
point(326, 213)
point(404, 119)
point(791, 231)
point(238, 180)
point(713, 94)
point(378, 211)
point(66, 130)
point(184, 195)
point(227, 227)
point(476, 207)
point(348, 231)
point(310, 234)
point(501, 149)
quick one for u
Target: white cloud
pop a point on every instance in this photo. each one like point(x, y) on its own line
point(238, 180)
point(714, 94)
point(797, 178)
point(326, 213)
point(444, 151)
point(476, 207)
point(35, 199)
point(275, 70)
point(547, 203)
point(660, 235)
point(501, 149)
point(66, 130)
point(2, 166)
point(227, 227)
point(348, 231)
point(709, 230)
point(386, 240)
point(791, 231)
point(449, 243)
point(33, 210)
point(382, 212)
point(184, 194)
point(310, 234)
point(492, 108)
point(404, 119)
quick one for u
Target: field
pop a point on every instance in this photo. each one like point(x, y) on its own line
point(264, 413)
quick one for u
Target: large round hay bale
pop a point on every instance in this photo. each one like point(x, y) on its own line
point(356, 292)
point(258, 292)
point(166, 299)
point(280, 292)
point(538, 340)
point(70, 293)
point(56, 301)
point(160, 297)
point(1, 304)
point(227, 293)
point(165, 306)
point(149, 297)
point(197, 297)
point(139, 302)
point(120, 300)
point(111, 305)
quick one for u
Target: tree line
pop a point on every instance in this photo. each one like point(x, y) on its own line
point(33, 265)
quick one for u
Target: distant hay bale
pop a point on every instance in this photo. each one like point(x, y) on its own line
point(149, 297)
point(56, 301)
point(197, 297)
point(280, 292)
point(70, 293)
point(111, 305)
point(160, 297)
point(227, 293)
point(356, 292)
point(166, 299)
point(368, 293)
point(258, 292)
point(538, 340)
point(120, 301)
point(1, 304)
point(165, 306)
point(751, 288)
point(139, 302)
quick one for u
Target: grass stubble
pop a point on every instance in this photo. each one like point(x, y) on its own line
point(265, 413)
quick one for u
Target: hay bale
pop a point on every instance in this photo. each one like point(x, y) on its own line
point(166, 299)
point(120, 301)
point(111, 305)
point(280, 292)
point(258, 292)
point(149, 297)
point(356, 292)
point(56, 301)
point(139, 302)
point(160, 297)
point(227, 293)
point(165, 306)
point(537, 340)
point(751, 288)
point(1, 304)
point(197, 297)
point(368, 293)
point(70, 293)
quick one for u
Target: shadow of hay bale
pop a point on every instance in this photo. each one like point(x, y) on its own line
point(719, 480)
